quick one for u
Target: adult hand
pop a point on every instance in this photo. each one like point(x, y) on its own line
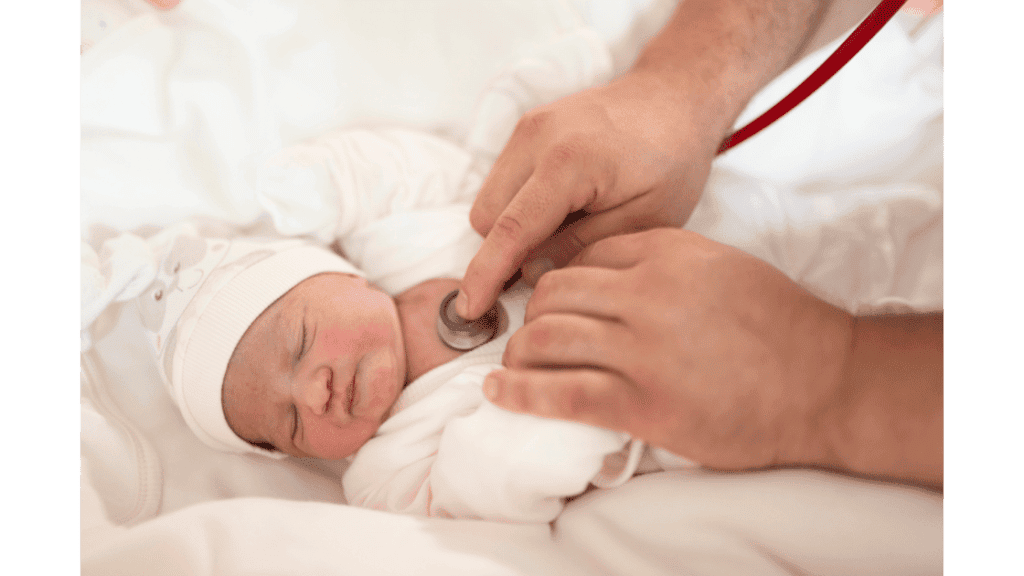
point(702, 349)
point(685, 343)
point(632, 154)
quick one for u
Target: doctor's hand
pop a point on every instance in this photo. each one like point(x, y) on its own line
point(708, 352)
point(628, 156)
point(633, 154)
point(682, 342)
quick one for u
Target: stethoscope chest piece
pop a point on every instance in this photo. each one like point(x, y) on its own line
point(461, 334)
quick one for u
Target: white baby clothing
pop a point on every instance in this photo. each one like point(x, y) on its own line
point(401, 201)
point(397, 204)
point(446, 451)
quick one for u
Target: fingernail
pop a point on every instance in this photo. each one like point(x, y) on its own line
point(492, 386)
point(537, 268)
point(462, 304)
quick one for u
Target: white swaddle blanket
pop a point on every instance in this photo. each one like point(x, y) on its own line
point(183, 112)
point(396, 200)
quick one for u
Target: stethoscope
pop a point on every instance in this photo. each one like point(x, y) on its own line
point(461, 334)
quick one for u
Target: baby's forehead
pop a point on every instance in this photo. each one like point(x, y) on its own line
point(281, 314)
point(261, 342)
point(259, 355)
point(284, 315)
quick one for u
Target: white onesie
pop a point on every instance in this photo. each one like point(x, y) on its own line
point(397, 202)
point(446, 451)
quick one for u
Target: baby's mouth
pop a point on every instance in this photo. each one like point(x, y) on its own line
point(350, 394)
point(330, 392)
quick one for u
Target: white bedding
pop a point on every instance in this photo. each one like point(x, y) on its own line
point(180, 113)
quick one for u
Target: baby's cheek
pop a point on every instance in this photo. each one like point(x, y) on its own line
point(332, 442)
point(338, 341)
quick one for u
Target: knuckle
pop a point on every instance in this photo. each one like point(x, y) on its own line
point(605, 173)
point(509, 227)
point(531, 344)
point(541, 335)
point(564, 154)
point(574, 399)
point(531, 124)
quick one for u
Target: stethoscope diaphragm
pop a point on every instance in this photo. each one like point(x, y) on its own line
point(461, 334)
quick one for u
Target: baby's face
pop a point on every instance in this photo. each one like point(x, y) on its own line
point(316, 373)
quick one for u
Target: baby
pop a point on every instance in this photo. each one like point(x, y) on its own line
point(344, 351)
point(282, 347)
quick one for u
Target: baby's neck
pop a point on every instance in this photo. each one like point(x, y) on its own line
point(417, 310)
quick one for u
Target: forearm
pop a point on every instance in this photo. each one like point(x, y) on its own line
point(719, 53)
point(888, 419)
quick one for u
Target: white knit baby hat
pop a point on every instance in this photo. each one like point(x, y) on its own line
point(206, 294)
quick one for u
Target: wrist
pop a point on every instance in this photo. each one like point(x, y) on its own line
point(686, 105)
point(887, 419)
point(719, 53)
point(823, 409)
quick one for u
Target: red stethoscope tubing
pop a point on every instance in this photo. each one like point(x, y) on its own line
point(867, 29)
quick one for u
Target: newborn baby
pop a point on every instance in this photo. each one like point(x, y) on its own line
point(282, 347)
point(317, 372)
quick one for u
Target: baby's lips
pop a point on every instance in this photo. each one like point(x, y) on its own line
point(339, 406)
point(373, 384)
point(330, 392)
point(350, 395)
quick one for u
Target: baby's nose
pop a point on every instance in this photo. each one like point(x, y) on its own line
point(315, 391)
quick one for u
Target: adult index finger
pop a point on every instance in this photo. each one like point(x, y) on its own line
point(533, 214)
point(510, 171)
